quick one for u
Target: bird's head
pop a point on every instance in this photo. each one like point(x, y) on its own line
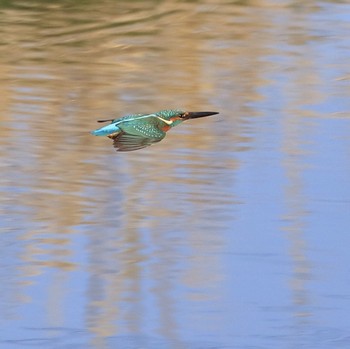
point(174, 117)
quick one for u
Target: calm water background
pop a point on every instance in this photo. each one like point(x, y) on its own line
point(233, 232)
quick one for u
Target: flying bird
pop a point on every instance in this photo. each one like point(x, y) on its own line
point(137, 131)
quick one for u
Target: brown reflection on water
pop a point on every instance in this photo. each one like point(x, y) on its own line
point(52, 101)
point(61, 72)
point(295, 217)
point(297, 130)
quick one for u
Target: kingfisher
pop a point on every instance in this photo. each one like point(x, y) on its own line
point(137, 131)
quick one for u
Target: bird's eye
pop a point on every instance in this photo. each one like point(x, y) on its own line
point(183, 115)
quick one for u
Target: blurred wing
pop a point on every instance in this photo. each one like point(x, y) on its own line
point(128, 142)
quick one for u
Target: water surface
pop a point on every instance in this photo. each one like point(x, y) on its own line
point(230, 233)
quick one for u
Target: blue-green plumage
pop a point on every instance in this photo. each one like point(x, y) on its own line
point(136, 131)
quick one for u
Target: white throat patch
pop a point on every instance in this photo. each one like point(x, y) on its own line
point(168, 122)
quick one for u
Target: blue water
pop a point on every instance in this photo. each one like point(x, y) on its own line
point(232, 232)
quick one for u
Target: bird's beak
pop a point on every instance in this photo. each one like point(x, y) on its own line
point(199, 114)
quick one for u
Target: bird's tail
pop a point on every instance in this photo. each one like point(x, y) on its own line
point(106, 130)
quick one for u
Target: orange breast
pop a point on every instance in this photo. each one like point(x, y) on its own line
point(166, 128)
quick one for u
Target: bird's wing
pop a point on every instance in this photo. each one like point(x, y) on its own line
point(137, 137)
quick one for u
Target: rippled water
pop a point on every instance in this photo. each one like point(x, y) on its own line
point(230, 233)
